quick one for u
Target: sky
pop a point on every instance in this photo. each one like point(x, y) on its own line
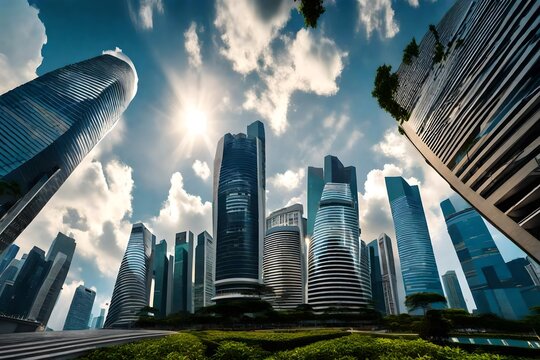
point(206, 68)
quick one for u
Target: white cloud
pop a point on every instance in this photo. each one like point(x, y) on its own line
point(311, 63)
point(289, 180)
point(144, 16)
point(21, 40)
point(248, 27)
point(413, 3)
point(192, 46)
point(377, 15)
point(201, 169)
point(180, 212)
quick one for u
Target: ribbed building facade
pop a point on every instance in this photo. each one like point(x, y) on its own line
point(48, 125)
point(284, 259)
point(239, 213)
point(453, 292)
point(80, 309)
point(475, 115)
point(133, 284)
point(418, 266)
point(388, 274)
point(337, 277)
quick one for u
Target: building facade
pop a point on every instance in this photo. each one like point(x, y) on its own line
point(65, 113)
point(418, 266)
point(453, 292)
point(80, 309)
point(239, 212)
point(132, 288)
point(9, 254)
point(474, 116)
point(388, 274)
point(161, 275)
point(203, 289)
point(377, 290)
point(183, 272)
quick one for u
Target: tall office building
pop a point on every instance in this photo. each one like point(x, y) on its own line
point(474, 116)
point(203, 289)
point(10, 273)
point(388, 274)
point(8, 255)
point(533, 269)
point(238, 213)
point(59, 256)
point(284, 258)
point(97, 323)
point(183, 272)
point(161, 275)
point(80, 309)
point(418, 265)
point(487, 274)
point(65, 113)
point(337, 277)
point(377, 290)
point(453, 292)
point(334, 172)
point(132, 288)
point(170, 285)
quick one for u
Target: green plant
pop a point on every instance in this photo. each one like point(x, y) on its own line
point(232, 350)
point(423, 300)
point(311, 10)
point(385, 88)
point(411, 51)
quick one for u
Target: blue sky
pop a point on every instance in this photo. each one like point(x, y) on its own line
point(230, 62)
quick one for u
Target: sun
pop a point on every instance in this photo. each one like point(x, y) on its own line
point(195, 121)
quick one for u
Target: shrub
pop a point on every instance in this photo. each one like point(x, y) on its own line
point(411, 51)
point(384, 89)
point(233, 350)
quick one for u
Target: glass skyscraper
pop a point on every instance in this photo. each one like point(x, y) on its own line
point(161, 274)
point(183, 272)
point(203, 289)
point(418, 265)
point(133, 284)
point(8, 255)
point(453, 292)
point(239, 212)
point(474, 116)
point(388, 274)
point(48, 125)
point(377, 290)
point(488, 276)
point(80, 309)
point(284, 257)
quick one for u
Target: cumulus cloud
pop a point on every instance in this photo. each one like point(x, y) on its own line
point(201, 169)
point(378, 15)
point(192, 46)
point(311, 63)
point(289, 180)
point(180, 212)
point(21, 40)
point(247, 28)
point(142, 14)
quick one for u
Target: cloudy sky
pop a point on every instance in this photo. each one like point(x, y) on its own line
point(228, 63)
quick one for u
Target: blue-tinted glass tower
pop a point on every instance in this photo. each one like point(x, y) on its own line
point(80, 309)
point(203, 288)
point(48, 125)
point(238, 213)
point(8, 255)
point(132, 288)
point(161, 273)
point(454, 295)
point(488, 276)
point(418, 265)
point(183, 272)
point(377, 290)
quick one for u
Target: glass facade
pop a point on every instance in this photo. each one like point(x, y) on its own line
point(203, 289)
point(454, 296)
point(80, 309)
point(388, 274)
point(48, 125)
point(161, 273)
point(418, 265)
point(183, 272)
point(132, 288)
point(8, 255)
point(377, 290)
point(238, 213)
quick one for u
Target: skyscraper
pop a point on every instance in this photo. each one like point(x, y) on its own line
point(65, 113)
point(132, 288)
point(59, 256)
point(80, 309)
point(418, 265)
point(377, 290)
point(183, 272)
point(453, 291)
point(474, 116)
point(388, 274)
point(337, 277)
point(100, 319)
point(203, 289)
point(161, 270)
point(238, 213)
point(170, 284)
point(487, 274)
point(8, 255)
point(284, 257)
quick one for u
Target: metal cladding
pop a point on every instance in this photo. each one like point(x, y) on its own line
point(80, 309)
point(132, 288)
point(475, 116)
point(48, 126)
point(336, 276)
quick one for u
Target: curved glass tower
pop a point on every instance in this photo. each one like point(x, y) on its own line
point(132, 288)
point(48, 125)
point(238, 213)
point(336, 275)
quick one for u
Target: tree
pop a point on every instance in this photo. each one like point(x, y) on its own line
point(384, 89)
point(311, 10)
point(411, 51)
point(434, 327)
point(423, 300)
